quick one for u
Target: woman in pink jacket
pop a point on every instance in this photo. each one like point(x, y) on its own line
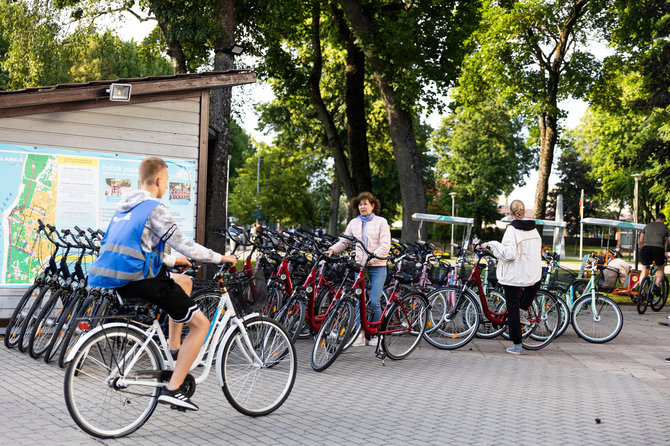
point(375, 233)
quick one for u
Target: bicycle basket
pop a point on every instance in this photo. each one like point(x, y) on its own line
point(561, 279)
point(248, 291)
point(410, 267)
point(606, 281)
point(334, 272)
point(438, 274)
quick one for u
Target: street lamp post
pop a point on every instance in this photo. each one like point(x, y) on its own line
point(637, 177)
point(453, 206)
point(226, 213)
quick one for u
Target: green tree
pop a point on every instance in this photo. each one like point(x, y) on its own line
point(532, 54)
point(284, 196)
point(482, 158)
point(574, 170)
point(409, 46)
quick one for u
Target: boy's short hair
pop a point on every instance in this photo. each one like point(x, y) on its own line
point(150, 168)
point(660, 216)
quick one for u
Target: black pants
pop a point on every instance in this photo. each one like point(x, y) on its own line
point(518, 298)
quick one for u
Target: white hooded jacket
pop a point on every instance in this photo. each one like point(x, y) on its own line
point(519, 255)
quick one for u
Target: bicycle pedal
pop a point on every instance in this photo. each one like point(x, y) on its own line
point(180, 409)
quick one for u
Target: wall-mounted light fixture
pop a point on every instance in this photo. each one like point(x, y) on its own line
point(235, 49)
point(119, 92)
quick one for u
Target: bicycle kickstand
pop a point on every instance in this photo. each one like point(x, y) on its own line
point(379, 352)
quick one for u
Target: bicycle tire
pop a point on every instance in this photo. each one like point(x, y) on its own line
point(292, 316)
point(644, 295)
point(604, 326)
point(565, 317)
point(496, 303)
point(47, 320)
point(95, 402)
point(453, 318)
point(30, 321)
point(78, 328)
point(404, 325)
point(274, 304)
point(64, 324)
point(661, 296)
point(18, 317)
point(258, 389)
point(332, 335)
point(544, 315)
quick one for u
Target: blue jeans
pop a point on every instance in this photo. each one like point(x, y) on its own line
point(377, 277)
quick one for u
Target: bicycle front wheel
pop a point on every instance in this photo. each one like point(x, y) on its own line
point(597, 319)
point(333, 335)
point(404, 325)
point(258, 375)
point(544, 315)
point(453, 318)
point(99, 390)
point(292, 316)
point(644, 294)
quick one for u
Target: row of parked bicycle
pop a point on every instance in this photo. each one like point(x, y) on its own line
point(315, 295)
point(447, 304)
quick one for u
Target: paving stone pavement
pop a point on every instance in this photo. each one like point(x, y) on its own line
point(478, 395)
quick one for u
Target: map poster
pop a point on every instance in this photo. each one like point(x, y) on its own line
point(68, 188)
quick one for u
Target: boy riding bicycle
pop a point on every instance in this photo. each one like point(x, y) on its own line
point(132, 261)
point(653, 241)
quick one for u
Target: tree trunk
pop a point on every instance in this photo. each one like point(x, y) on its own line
point(219, 120)
point(548, 120)
point(357, 141)
point(401, 127)
point(548, 136)
point(326, 118)
point(334, 207)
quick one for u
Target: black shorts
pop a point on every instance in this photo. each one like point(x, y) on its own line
point(652, 254)
point(164, 292)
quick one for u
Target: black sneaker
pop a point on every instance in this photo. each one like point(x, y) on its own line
point(667, 359)
point(176, 399)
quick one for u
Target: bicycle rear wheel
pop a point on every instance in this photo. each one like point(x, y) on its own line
point(96, 401)
point(453, 318)
point(332, 335)
point(598, 319)
point(660, 296)
point(404, 325)
point(258, 383)
point(544, 315)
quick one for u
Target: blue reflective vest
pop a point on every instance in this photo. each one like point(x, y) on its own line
point(121, 259)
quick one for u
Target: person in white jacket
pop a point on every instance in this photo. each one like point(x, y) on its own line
point(519, 269)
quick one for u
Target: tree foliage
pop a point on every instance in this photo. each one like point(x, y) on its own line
point(283, 183)
point(482, 157)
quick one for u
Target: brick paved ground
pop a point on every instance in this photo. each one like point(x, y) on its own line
point(478, 395)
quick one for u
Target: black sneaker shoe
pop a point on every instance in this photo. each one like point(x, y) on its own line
point(667, 359)
point(176, 399)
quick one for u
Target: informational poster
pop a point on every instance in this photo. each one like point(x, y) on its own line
point(68, 188)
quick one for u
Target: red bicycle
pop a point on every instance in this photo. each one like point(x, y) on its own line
point(400, 327)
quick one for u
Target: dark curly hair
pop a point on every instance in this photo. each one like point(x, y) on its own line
point(376, 206)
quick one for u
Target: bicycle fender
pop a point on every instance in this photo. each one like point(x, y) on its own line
point(219, 353)
point(97, 329)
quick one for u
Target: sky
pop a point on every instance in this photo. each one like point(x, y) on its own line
point(257, 93)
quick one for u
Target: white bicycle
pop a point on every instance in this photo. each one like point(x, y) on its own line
point(116, 372)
